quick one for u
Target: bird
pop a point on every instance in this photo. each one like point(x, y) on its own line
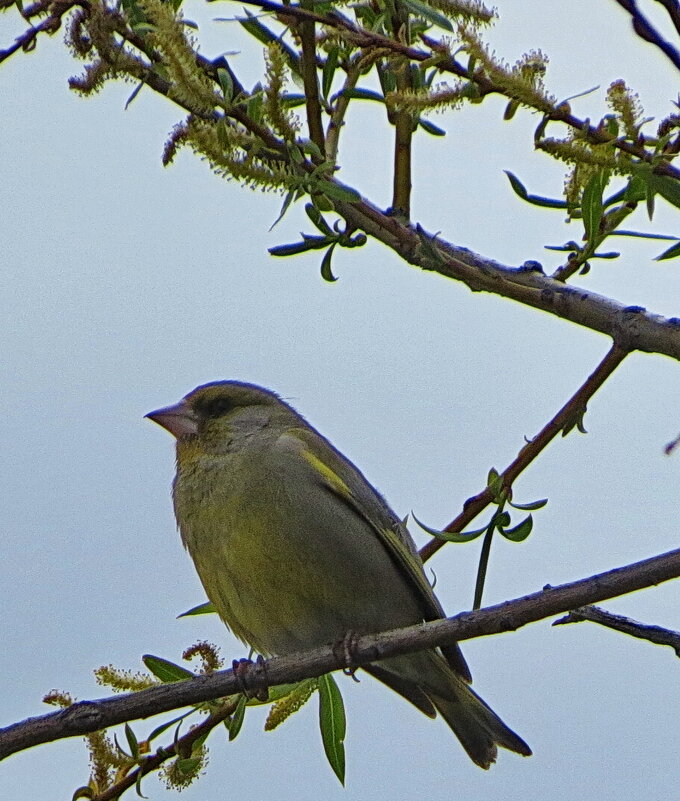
point(296, 549)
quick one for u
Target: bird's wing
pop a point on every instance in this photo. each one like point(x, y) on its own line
point(348, 484)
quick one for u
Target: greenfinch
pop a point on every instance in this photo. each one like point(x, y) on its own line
point(295, 549)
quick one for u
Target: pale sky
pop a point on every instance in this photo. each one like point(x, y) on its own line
point(127, 284)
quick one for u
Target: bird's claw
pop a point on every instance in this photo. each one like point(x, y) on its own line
point(241, 669)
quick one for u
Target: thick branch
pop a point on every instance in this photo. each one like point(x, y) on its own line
point(631, 327)
point(88, 716)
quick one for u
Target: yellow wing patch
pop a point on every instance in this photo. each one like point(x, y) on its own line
point(331, 478)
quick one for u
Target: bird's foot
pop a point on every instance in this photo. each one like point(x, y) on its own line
point(345, 650)
point(241, 668)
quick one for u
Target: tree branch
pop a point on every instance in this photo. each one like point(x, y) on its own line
point(645, 30)
point(88, 716)
point(643, 631)
point(632, 327)
point(182, 745)
point(572, 410)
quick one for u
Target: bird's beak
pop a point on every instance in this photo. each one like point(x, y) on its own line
point(179, 419)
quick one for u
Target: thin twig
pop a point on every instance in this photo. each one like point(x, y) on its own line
point(87, 716)
point(572, 410)
point(673, 9)
point(182, 745)
point(367, 39)
point(645, 30)
point(643, 631)
point(311, 82)
point(28, 39)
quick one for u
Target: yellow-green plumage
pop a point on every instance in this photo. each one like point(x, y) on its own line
point(296, 549)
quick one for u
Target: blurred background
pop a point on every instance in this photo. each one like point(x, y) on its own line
point(126, 284)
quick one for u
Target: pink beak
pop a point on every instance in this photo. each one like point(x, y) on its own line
point(179, 419)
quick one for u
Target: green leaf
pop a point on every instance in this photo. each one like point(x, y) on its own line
point(536, 200)
point(643, 235)
point(131, 738)
point(672, 253)
point(428, 13)
point(495, 483)
point(530, 507)
point(291, 196)
point(333, 724)
point(326, 271)
point(291, 100)
point(431, 128)
point(520, 532)
point(202, 609)
point(235, 723)
point(309, 243)
point(165, 670)
point(667, 187)
point(450, 536)
point(609, 254)
point(635, 192)
point(338, 191)
point(329, 71)
point(591, 206)
point(318, 220)
point(363, 94)
point(165, 726)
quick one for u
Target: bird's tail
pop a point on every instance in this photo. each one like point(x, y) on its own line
point(477, 726)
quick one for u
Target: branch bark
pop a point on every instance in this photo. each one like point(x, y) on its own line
point(88, 716)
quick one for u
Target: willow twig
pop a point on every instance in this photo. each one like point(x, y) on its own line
point(572, 411)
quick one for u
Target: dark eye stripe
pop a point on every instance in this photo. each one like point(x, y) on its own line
point(214, 407)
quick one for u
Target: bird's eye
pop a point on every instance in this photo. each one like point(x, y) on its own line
point(214, 407)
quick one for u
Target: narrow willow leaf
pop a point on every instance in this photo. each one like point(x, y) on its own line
point(363, 94)
point(450, 536)
point(609, 254)
point(165, 726)
point(667, 187)
point(643, 235)
point(202, 609)
point(310, 243)
point(672, 253)
point(428, 13)
point(165, 670)
point(591, 206)
point(235, 723)
point(338, 191)
point(431, 128)
point(131, 738)
point(292, 100)
point(520, 532)
point(318, 220)
point(333, 724)
point(291, 196)
point(530, 507)
point(326, 270)
point(329, 71)
point(536, 200)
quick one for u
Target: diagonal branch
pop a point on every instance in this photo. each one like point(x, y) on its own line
point(88, 716)
point(645, 30)
point(567, 416)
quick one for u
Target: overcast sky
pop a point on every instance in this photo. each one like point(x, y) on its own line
point(126, 284)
